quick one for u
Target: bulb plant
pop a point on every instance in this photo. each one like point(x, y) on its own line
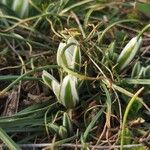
point(66, 92)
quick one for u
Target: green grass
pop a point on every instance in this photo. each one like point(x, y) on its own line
point(103, 107)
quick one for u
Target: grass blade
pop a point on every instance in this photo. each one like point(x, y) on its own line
point(126, 115)
point(8, 141)
point(90, 126)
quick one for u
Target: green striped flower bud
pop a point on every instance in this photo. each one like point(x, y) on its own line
point(53, 128)
point(72, 55)
point(21, 7)
point(67, 123)
point(68, 92)
point(62, 132)
point(52, 83)
point(128, 53)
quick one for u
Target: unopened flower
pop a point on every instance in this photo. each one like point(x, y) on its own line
point(21, 8)
point(128, 53)
point(67, 123)
point(66, 92)
point(72, 54)
point(52, 83)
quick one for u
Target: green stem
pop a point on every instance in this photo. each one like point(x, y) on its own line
point(14, 77)
point(126, 115)
point(143, 30)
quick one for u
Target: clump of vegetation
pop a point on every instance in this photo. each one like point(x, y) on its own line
point(74, 74)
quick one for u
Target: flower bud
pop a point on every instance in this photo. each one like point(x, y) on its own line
point(72, 55)
point(62, 132)
point(128, 53)
point(68, 92)
point(21, 8)
point(53, 128)
point(67, 123)
point(52, 83)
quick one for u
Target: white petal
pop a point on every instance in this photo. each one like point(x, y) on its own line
point(69, 97)
point(70, 54)
point(129, 52)
point(59, 51)
point(51, 82)
point(131, 43)
point(71, 51)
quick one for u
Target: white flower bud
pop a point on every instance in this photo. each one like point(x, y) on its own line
point(72, 55)
point(68, 92)
point(51, 82)
point(128, 53)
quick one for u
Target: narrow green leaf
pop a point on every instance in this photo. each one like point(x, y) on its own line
point(92, 123)
point(77, 4)
point(129, 106)
point(8, 141)
point(137, 81)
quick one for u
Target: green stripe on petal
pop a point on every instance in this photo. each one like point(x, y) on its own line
point(62, 132)
point(72, 55)
point(68, 92)
point(53, 128)
point(67, 123)
point(70, 51)
point(51, 82)
point(77, 59)
point(136, 69)
point(21, 7)
point(59, 51)
point(128, 53)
